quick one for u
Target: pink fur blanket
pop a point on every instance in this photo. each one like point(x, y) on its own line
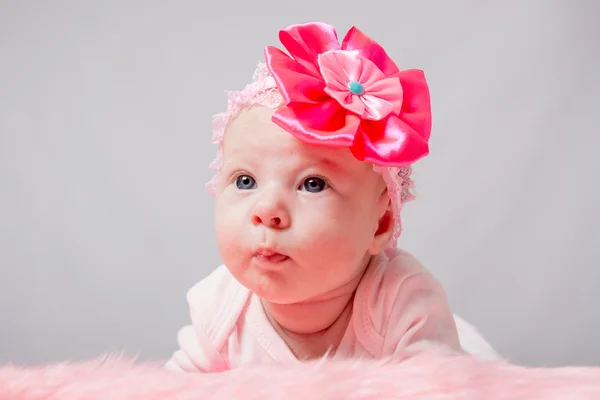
point(428, 376)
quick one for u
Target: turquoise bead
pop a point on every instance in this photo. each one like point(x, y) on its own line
point(356, 88)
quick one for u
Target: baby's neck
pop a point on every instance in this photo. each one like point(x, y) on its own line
point(308, 318)
point(313, 328)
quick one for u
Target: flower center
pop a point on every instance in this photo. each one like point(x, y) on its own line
point(356, 88)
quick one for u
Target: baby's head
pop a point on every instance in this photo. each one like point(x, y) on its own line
point(313, 164)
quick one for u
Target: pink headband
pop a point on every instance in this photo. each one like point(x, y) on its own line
point(350, 95)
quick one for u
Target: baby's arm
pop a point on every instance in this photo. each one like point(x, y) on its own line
point(193, 355)
point(215, 303)
point(188, 358)
point(421, 318)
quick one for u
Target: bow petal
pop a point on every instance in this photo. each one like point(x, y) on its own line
point(390, 142)
point(322, 124)
point(306, 41)
point(381, 95)
point(338, 68)
point(375, 108)
point(296, 83)
point(368, 48)
point(416, 109)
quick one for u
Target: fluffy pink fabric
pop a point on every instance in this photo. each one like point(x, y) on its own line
point(428, 376)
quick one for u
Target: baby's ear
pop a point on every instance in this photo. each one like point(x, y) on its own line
point(385, 224)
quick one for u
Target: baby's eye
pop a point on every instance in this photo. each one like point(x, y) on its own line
point(245, 182)
point(314, 185)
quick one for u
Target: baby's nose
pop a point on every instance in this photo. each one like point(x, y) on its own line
point(271, 214)
point(273, 222)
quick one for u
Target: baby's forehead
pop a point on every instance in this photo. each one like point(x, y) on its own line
point(254, 136)
point(253, 131)
point(253, 140)
point(265, 146)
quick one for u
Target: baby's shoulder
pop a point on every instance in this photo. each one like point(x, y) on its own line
point(402, 302)
point(398, 269)
point(394, 280)
point(215, 286)
point(215, 304)
point(216, 298)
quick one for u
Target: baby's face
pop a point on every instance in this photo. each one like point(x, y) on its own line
point(295, 222)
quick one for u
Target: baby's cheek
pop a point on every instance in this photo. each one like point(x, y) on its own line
point(227, 230)
point(326, 235)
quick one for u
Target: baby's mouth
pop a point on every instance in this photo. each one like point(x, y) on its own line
point(270, 256)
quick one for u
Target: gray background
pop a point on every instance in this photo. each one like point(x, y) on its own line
point(105, 141)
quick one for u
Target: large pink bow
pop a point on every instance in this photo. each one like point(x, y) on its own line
point(351, 95)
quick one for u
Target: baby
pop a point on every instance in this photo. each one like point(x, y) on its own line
point(313, 168)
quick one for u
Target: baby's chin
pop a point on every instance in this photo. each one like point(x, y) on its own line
point(285, 284)
point(274, 293)
point(282, 294)
point(275, 288)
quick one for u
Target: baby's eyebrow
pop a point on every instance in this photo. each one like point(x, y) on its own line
point(234, 161)
point(329, 163)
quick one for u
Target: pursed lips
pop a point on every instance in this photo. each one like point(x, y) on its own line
point(269, 255)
